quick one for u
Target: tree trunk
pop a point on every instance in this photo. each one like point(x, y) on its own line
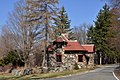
point(43, 62)
point(27, 64)
point(100, 58)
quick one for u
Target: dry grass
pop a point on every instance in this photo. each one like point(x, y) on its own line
point(41, 76)
point(56, 74)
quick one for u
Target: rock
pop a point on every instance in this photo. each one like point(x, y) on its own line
point(27, 71)
point(45, 69)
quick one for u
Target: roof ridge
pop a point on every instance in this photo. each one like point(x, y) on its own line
point(87, 44)
point(73, 41)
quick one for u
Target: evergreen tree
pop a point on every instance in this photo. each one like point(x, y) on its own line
point(100, 33)
point(90, 35)
point(11, 57)
point(62, 23)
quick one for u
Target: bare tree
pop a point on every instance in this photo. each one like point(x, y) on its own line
point(27, 35)
point(115, 43)
point(30, 23)
point(80, 33)
point(6, 42)
point(115, 3)
point(43, 11)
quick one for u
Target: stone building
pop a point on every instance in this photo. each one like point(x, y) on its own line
point(65, 53)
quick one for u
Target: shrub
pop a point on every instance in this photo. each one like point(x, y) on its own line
point(11, 57)
point(2, 62)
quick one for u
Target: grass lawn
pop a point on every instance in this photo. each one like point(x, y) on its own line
point(40, 76)
point(5, 76)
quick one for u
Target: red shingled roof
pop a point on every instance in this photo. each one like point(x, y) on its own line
point(74, 46)
point(89, 48)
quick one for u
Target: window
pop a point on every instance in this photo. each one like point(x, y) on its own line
point(59, 58)
point(59, 45)
point(80, 58)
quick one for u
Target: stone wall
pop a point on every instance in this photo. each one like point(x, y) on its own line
point(68, 61)
point(91, 60)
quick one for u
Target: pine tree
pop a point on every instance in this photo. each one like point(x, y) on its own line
point(62, 23)
point(100, 33)
point(90, 35)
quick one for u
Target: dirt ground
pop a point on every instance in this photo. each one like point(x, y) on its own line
point(117, 72)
